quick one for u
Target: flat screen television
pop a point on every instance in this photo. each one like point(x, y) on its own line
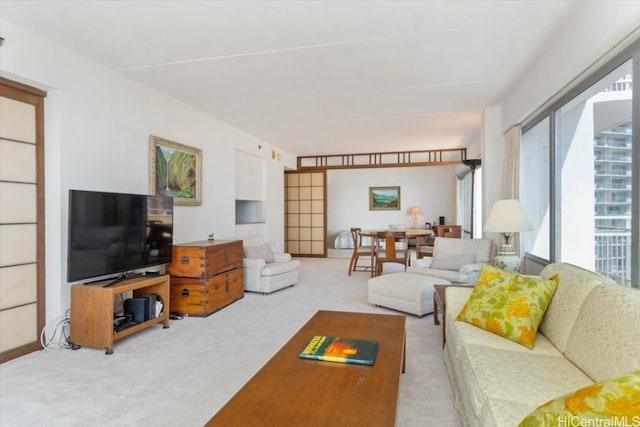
point(114, 233)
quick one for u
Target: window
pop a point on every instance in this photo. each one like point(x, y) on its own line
point(534, 179)
point(580, 184)
point(593, 215)
point(469, 202)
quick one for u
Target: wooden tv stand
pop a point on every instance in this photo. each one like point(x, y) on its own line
point(92, 309)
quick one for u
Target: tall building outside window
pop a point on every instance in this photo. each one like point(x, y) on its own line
point(593, 166)
point(578, 179)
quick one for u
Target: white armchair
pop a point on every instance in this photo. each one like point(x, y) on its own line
point(266, 271)
point(456, 260)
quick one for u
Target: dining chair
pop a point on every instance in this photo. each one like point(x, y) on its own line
point(391, 253)
point(427, 248)
point(360, 251)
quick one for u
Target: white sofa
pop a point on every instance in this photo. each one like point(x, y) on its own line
point(266, 271)
point(456, 260)
point(590, 332)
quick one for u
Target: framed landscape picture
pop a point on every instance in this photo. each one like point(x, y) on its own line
point(384, 198)
point(175, 171)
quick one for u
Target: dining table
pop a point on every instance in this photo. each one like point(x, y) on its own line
point(412, 233)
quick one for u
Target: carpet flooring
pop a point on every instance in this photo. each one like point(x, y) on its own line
point(182, 375)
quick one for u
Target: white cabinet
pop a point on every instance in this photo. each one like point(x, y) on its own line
point(250, 173)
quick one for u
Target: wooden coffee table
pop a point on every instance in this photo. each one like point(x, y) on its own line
point(293, 391)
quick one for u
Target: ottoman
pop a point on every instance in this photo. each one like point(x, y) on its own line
point(407, 292)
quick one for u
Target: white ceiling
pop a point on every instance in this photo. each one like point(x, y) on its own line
point(321, 77)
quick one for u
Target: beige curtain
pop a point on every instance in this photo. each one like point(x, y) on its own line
point(511, 171)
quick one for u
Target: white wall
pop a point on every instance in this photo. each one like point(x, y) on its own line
point(97, 138)
point(492, 161)
point(274, 209)
point(595, 30)
point(431, 188)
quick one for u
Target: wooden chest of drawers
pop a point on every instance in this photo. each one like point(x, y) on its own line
point(205, 259)
point(205, 276)
point(201, 297)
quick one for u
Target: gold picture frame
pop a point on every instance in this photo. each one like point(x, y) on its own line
point(175, 171)
point(384, 198)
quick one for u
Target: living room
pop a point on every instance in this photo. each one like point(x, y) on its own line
point(97, 127)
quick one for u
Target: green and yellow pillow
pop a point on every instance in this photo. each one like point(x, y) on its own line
point(508, 304)
point(614, 402)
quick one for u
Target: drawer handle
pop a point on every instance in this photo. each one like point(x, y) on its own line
point(184, 260)
point(185, 292)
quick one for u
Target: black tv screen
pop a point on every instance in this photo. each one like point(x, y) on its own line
point(111, 233)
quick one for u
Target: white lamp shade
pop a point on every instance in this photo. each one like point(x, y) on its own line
point(507, 216)
point(414, 210)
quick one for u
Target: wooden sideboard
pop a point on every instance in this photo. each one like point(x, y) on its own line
point(451, 231)
point(206, 276)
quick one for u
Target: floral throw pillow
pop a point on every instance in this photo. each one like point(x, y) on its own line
point(613, 402)
point(507, 304)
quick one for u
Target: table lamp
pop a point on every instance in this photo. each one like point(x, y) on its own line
point(415, 211)
point(507, 218)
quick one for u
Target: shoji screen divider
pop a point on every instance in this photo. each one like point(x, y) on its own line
point(22, 256)
point(305, 213)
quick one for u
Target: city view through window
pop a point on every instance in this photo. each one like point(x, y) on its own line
point(595, 201)
point(612, 181)
point(591, 183)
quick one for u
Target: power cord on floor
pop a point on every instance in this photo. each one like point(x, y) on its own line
point(59, 338)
